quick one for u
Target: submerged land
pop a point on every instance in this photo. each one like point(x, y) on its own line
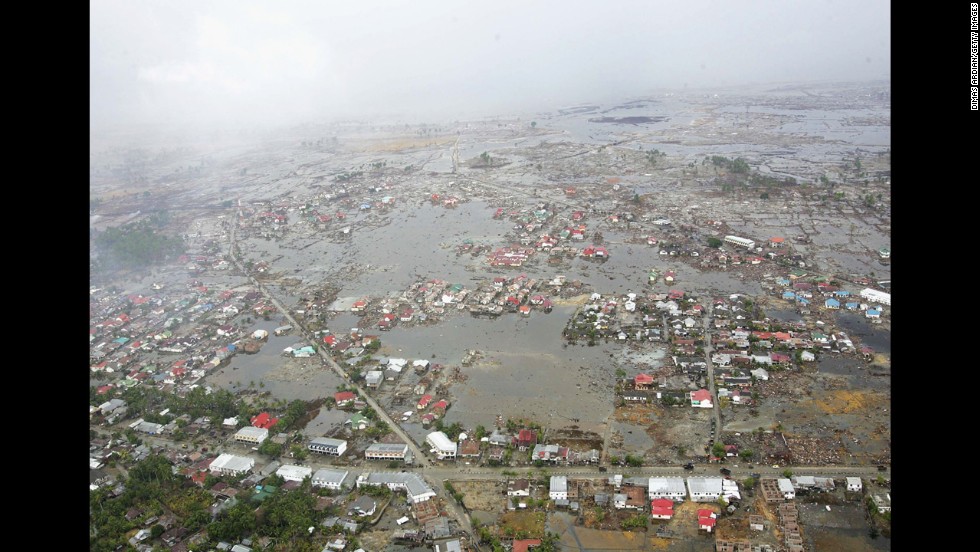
point(694, 278)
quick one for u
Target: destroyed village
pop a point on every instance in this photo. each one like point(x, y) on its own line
point(660, 324)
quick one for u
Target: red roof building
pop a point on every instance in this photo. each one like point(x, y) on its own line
point(344, 397)
point(524, 545)
point(706, 519)
point(643, 381)
point(526, 438)
point(701, 398)
point(661, 508)
point(264, 421)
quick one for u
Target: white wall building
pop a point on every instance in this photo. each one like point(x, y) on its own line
point(229, 464)
point(386, 451)
point(876, 296)
point(853, 483)
point(705, 489)
point(441, 445)
point(330, 479)
point(326, 445)
point(740, 242)
point(729, 490)
point(519, 487)
point(559, 487)
point(671, 488)
point(415, 487)
point(294, 473)
point(786, 488)
point(254, 435)
point(374, 378)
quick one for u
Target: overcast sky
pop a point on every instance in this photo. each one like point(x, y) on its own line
point(291, 60)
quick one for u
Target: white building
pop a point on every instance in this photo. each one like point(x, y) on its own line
point(729, 490)
point(149, 428)
point(229, 464)
point(519, 487)
point(441, 445)
point(254, 435)
point(740, 242)
point(374, 378)
point(326, 445)
point(109, 406)
point(415, 487)
point(330, 479)
point(853, 483)
point(705, 489)
point(876, 296)
point(786, 488)
point(294, 473)
point(559, 487)
point(386, 451)
point(671, 488)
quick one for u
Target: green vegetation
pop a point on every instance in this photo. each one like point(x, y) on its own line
point(457, 496)
point(347, 176)
point(633, 461)
point(718, 450)
point(235, 523)
point(270, 448)
point(637, 521)
point(737, 165)
point(153, 488)
point(287, 515)
point(714, 242)
point(452, 431)
point(137, 245)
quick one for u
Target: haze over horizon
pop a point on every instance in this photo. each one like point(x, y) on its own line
point(224, 62)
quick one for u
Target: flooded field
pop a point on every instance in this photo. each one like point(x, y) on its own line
point(337, 214)
point(844, 527)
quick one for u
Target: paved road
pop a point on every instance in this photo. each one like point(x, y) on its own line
point(716, 410)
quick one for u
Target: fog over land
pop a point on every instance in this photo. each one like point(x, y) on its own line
point(243, 63)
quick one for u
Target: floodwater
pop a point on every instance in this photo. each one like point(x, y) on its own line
point(784, 315)
point(860, 329)
point(317, 380)
point(525, 368)
point(327, 422)
point(524, 371)
point(634, 437)
point(418, 241)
